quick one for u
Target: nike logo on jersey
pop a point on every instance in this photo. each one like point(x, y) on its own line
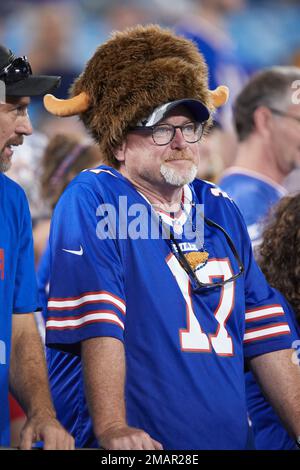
point(75, 252)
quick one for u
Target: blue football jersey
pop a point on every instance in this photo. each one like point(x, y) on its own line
point(18, 292)
point(254, 195)
point(185, 350)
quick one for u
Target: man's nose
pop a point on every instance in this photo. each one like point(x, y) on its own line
point(178, 140)
point(24, 125)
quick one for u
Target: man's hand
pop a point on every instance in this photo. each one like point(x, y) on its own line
point(127, 438)
point(48, 430)
point(279, 378)
point(103, 367)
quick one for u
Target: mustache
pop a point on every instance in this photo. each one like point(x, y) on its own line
point(178, 155)
point(18, 141)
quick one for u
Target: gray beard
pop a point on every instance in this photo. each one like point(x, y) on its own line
point(4, 165)
point(172, 177)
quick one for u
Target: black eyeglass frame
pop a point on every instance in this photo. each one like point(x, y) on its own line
point(188, 268)
point(17, 69)
point(152, 128)
point(282, 113)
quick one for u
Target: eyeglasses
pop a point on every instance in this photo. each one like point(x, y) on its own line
point(195, 283)
point(163, 134)
point(282, 113)
point(18, 69)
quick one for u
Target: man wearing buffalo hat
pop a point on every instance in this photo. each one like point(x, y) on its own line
point(155, 298)
point(22, 364)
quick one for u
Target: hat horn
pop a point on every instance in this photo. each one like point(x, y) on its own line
point(76, 105)
point(219, 96)
point(80, 103)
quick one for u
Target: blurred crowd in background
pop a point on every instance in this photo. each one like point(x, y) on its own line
point(237, 37)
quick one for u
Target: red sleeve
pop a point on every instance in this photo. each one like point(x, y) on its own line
point(14, 409)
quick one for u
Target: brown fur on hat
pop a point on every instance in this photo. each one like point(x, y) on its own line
point(133, 73)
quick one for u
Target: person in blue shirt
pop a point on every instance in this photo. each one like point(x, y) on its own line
point(267, 121)
point(22, 364)
point(279, 258)
point(155, 305)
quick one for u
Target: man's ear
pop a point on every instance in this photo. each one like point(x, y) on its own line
point(262, 118)
point(120, 152)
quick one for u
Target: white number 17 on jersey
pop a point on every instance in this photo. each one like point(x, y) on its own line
point(193, 338)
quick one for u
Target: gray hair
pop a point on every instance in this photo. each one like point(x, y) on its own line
point(271, 88)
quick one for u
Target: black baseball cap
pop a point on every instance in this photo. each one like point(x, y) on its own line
point(197, 108)
point(17, 75)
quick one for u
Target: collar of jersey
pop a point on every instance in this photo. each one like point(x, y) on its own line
point(186, 204)
point(182, 215)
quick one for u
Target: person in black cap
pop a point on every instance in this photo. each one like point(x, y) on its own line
point(22, 364)
point(17, 85)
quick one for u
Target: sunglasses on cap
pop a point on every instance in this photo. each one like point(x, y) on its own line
point(18, 69)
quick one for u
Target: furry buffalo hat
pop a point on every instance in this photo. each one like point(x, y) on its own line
point(130, 75)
